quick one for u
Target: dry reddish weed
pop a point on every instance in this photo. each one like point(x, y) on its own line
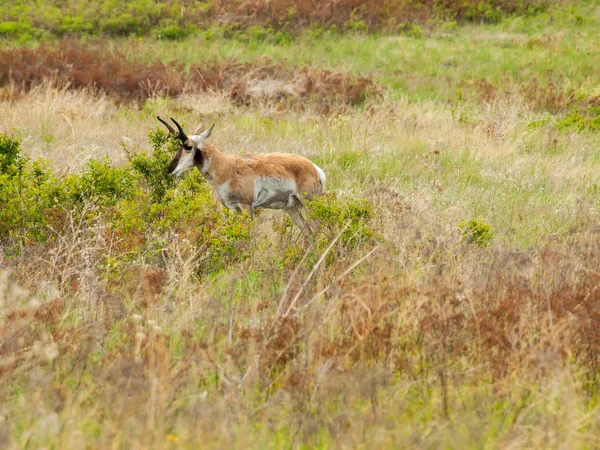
point(553, 96)
point(75, 66)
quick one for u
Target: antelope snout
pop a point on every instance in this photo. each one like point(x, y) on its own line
point(173, 167)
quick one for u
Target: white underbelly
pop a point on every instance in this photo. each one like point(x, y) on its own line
point(274, 193)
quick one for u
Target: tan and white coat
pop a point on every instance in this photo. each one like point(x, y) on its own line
point(249, 181)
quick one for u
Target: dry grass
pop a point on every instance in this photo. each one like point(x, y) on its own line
point(553, 97)
point(503, 344)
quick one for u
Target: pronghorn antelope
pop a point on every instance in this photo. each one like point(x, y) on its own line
point(251, 180)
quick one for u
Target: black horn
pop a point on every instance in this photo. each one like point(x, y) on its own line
point(182, 135)
point(169, 127)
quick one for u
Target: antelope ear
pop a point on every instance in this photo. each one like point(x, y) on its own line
point(206, 134)
point(199, 130)
point(200, 137)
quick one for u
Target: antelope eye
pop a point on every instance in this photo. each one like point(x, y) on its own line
point(188, 148)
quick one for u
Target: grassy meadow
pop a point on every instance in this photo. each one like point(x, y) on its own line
point(450, 298)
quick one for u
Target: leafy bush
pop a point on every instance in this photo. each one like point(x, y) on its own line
point(476, 231)
point(349, 218)
point(9, 28)
point(124, 25)
point(105, 183)
point(26, 192)
point(153, 168)
point(10, 160)
point(172, 32)
point(74, 25)
point(332, 214)
point(577, 121)
point(483, 12)
point(355, 23)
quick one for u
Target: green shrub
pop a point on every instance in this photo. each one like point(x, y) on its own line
point(27, 191)
point(140, 204)
point(483, 12)
point(74, 25)
point(9, 28)
point(172, 32)
point(355, 23)
point(580, 122)
point(212, 34)
point(11, 162)
point(106, 183)
point(411, 30)
point(123, 25)
point(476, 231)
point(153, 168)
point(331, 216)
point(256, 33)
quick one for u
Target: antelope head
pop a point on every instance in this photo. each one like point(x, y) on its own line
point(191, 149)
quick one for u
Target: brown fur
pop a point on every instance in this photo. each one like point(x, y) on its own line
point(242, 171)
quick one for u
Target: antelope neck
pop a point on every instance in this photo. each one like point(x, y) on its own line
point(217, 167)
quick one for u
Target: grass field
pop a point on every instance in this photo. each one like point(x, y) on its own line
point(450, 299)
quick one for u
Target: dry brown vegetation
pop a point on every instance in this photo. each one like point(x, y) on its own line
point(72, 65)
point(154, 356)
point(555, 97)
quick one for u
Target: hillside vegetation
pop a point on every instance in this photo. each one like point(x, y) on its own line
point(449, 299)
point(283, 18)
